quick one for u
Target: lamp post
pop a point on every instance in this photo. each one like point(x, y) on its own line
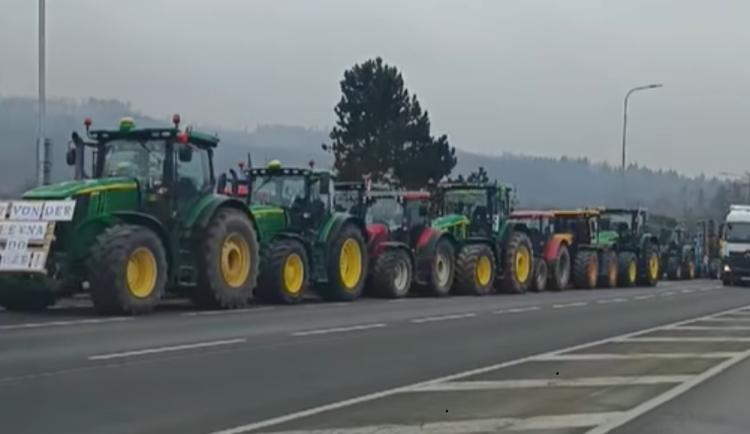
point(625, 132)
point(41, 151)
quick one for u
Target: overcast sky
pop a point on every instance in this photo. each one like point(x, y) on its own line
point(541, 77)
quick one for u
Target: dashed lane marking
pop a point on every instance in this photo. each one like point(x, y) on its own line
point(339, 329)
point(443, 318)
point(576, 382)
point(159, 350)
point(35, 325)
point(569, 305)
point(229, 312)
point(612, 300)
point(517, 310)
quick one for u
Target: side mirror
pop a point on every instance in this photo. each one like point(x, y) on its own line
point(185, 154)
point(70, 157)
point(221, 183)
point(324, 186)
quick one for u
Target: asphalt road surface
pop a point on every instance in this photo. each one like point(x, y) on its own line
point(552, 363)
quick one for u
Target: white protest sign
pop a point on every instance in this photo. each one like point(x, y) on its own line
point(30, 231)
point(38, 261)
point(4, 207)
point(58, 210)
point(15, 260)
point(27, 210)
point(16, 245)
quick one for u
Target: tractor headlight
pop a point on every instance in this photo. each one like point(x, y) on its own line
point(727, 269)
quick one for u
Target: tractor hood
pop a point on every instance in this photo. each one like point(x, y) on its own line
point(450, 220)
point(67, 189)
point(265, 209)
point(608, 237)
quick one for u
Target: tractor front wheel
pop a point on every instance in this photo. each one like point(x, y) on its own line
point(18, 296)
point(609, 279)
point(392, 274)
point(347, 266)
point(627, 269)
point(559, 269)
point(475, 270)
point(518, 264)
point(228, 263)
point(651, 273)
point(284, 273)
point(127, 270)
point(541, 275)
point(674, 269)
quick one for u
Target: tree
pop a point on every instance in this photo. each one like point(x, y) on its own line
point(381, 129)
point(479, 175)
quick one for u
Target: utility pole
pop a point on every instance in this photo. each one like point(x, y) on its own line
point(625, 135)
point(43, 160)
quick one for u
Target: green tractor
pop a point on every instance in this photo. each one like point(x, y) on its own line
point(491, 251)
point(679, 256)
point(305, 242)
point(146, 221)
point(637, 248)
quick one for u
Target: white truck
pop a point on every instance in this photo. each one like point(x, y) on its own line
point(735, 251)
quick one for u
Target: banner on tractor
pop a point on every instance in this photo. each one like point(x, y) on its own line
point(46, 211)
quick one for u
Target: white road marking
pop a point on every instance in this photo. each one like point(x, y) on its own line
point(443, 318)
point(159, 350)
point(228, 312)
point(637, 356)
point(685, 327)
point(567, 305)
point(725, 319)
point(553, 382)
point(667, 294)
point(740, 314)
point(612, 300)
point(476, 426)
point(676, 339)
point(339, 329)
point(644, 297)
point(588, 420)
point(517, 310)
point(35, 325)
point(687, 291)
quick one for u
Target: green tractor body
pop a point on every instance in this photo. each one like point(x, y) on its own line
point(491, 252)
point(145, 221)
point(679, 256)
point(626, 231)
point(305, 242)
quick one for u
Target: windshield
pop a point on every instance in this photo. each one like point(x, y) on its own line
point(387, 211)
point(464, 202)
point(533, 223)
point(346, 200)
point(616, 222)
point(737, 232)
point(278, 190)
point(142, 160)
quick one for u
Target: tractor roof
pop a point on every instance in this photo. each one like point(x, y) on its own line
point(127, 130)
point(531, 214)
point(575, 213)
point(605, 210)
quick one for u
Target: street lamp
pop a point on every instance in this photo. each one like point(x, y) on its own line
point(625, 129)
point(42, 87)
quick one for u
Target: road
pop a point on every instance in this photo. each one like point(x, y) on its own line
point(255, 370)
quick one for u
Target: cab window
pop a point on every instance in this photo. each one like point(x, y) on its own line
point(196, 173)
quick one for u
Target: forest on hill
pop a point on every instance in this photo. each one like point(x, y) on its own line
point(540, 181)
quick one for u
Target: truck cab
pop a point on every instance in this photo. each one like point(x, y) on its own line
point(736, 246)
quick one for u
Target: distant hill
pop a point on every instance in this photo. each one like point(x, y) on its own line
point(541, 182)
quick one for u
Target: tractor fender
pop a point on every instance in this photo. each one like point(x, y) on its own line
point(395, 245)
point(336, 223)
point(207, 208)
point(377, 236)
point(488, 242)
point(553, 246)
point(140, 219)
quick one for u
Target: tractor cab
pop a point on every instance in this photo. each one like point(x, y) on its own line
point(581, 224)
point(233, 183)
point(303, 195)
point(485, 205)
point(540, 224)
point(622, 224)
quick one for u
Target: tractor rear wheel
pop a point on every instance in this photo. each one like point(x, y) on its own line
point(689, 270)
point(559, 269)
point(16, 296)
point(475, 270)
point(392, 274)
point(442, 270)
point(627, 269)
point(347, 266)
point(609, 279)
point(227, 262)
point(518, 264)
point(284, 273)
point(127, 270)
point(541, 275)
point(674, 269)
point(586, 269)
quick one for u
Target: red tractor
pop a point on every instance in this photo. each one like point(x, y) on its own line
point(400, 239)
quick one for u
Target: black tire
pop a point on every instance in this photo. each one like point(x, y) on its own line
point(586, 269)
point(108, 264)
point(626, 262)
point(279, 257)
point(513, 276)
point(336, 289)
point(674, 270)
point(559, 270)
point(213, 290)
point(469, 261)
point(541, 276)
point(688, 270)
point(609, 279)
point(392, 274)
point(648, 276)
point(440, 283)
